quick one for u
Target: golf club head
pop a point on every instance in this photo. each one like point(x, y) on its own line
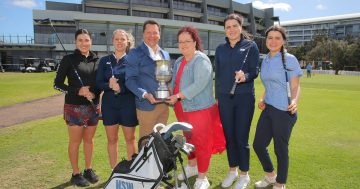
point(188, 148)
point(180, 143)
point(169, 129)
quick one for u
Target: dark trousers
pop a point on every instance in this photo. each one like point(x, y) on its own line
point(236, 114)
point(274, 124)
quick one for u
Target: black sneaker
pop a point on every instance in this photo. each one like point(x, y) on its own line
point(79, 180)
point(90, 175)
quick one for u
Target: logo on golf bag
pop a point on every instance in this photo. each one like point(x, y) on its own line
point(124, 185)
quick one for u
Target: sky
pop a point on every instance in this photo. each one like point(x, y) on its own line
point(16, 15)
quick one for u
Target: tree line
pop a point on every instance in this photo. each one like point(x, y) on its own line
point(344, 54)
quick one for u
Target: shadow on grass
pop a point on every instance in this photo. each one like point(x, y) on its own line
point(218, 186)
point(268, 187)
point(68, 184)
point(101, 185)
point(215, 186)
point(63, 185)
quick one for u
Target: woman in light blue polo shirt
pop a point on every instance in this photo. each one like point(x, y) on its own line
point(279, 109)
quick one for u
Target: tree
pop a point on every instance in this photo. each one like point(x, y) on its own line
point(299, 52)
point(337, 54)
point(352, 54)
point(330, 50)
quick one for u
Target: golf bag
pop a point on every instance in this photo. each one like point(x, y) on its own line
point(147, 169)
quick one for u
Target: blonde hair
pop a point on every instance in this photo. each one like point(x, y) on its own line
point(129, 36)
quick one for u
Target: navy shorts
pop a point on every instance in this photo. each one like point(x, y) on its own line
point(81, 115)
point(120, 110)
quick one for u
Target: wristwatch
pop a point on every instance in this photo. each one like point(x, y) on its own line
point(178, 97)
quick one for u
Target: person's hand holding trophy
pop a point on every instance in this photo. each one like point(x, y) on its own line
point(163, 74)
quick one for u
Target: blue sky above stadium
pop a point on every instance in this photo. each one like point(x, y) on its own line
point(16, 15)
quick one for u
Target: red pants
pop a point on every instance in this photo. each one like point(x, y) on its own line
point(207, 134)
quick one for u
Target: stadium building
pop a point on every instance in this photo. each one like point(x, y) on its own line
point(336, 27)
point(102, 17)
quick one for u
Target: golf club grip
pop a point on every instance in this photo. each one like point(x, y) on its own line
point(288, 92)
point(115, 92)
point(232, 92)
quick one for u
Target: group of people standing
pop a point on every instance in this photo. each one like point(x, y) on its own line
point(127, 80)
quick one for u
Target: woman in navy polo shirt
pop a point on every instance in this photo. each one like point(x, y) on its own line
point(238, 59)
point(278, 114)
point(118, 103)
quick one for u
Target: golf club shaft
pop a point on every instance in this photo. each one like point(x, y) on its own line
point(93, 106)
point(232, 92)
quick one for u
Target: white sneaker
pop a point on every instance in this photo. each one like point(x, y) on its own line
point(190, 171)
point(183, 186)
point(243, 182)
point(201, 183)
point(265, 182)
point(229, 179)
point(281, 187)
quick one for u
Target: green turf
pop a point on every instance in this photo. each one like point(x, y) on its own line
point(324, 147)
point(21, 87)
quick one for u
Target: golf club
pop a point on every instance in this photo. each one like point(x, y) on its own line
point(232, 91)
point(48, 21)
point(112, 75)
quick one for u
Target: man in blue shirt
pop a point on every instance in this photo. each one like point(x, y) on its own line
point(141, 80)
point(308, 70)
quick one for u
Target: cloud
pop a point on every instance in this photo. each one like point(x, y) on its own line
point(2, 18)
point(29, 4)
point(320, 7)
point(277, 6)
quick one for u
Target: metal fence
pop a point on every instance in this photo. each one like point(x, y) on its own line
point(17, 39)
point(332, 72)
point(343, 72)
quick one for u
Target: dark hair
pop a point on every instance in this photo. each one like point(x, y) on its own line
point(240, 20)
point(283, 34)
point(82, 31)
point(194, 35)
point(151, 22)
point(236, 17)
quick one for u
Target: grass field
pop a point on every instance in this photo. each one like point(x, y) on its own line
point(324, 148)
point(21, 87)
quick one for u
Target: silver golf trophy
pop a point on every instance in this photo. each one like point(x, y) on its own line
point(163, 74)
